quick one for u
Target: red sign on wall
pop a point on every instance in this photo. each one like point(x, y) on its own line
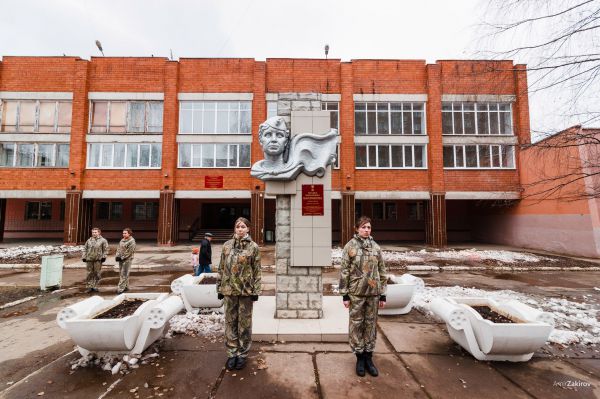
point(312, 200)
point(213, 181)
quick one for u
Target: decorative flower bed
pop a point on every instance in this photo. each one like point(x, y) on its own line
point(197, 291)
point(400, 293)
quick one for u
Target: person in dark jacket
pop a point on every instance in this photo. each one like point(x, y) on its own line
point(205, 254)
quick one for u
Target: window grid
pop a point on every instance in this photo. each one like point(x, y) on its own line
point(150, 124)
point(399, 149)
point(241, 109)
point(234, 152)
point(500, 156)
point(12, 155)
point(334, 117)
point(499, 110)
point(55, 127)
point(362, 110)
point(97, 150)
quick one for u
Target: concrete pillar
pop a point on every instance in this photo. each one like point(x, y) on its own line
point(348, 216)
point(78, 218)
point(257, 212)
point(168, 218)
point(436, 234)
point(2, 217)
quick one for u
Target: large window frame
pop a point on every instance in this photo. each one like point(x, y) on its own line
point(150, 121)
point(334, 113)
point(45, 116)
point(105, 157)
point(390, 118)
point(145, 211)
point(38, 210)
point(34, 155)
point(477, 118)
point(497, 156)
point(208, 117)
point(109, 210)
point(198, 154)
point(373, 153)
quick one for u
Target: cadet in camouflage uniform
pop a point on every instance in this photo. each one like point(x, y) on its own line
point(239, 285)
point(125, 256)
point(363, 283)
point(94, 255)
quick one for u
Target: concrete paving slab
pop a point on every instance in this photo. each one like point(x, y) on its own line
point(459, 377)
point(181, 342)
point(339, 380)
point(414, 316)
point(551, 378)
point(288, 375)
point(264, 323)
point(592, 366)
point(418, 338)
point(316, 347)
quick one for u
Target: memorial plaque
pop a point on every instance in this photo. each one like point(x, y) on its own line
point(213, 181)
point(312, 200)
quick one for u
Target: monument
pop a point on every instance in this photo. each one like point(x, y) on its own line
point(297, 171)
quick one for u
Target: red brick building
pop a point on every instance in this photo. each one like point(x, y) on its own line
point(165, 147)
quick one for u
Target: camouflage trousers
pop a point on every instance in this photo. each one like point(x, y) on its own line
point(238, 324)
point(362, 331)
point(93, 273)
point(124, 274)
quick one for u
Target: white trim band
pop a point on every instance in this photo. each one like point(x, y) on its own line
point(214, 138)
point(398, 195)
point(36, 137)
point(390, 97)
point(392, 139)
point(215, 96)
point(36, 95)
point(124, 138)
point(33, 194)
point(212, 194)
point(462, 139)
point(141, 194)
point(331, 97)
point(482, 195)
point(272, 96)
point(496, 98)
point(107, 95)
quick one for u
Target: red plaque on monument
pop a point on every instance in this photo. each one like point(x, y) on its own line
point(213, 181)
point(312, 200)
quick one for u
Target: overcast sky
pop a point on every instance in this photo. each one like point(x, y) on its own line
point(429, 30)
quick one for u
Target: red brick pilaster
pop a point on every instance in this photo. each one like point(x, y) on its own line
point(78, 218)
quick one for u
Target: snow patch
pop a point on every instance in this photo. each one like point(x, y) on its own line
point(207, 324)
point(34, 252)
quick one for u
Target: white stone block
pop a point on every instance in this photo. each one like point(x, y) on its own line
point(287, 284)
point(302, 236)
point(302, 256)
point(315, 300)
point(322, 256)
point(281, 300)
point(310, 314)
point(308, 284)
point(281, 266)
point(297, 301)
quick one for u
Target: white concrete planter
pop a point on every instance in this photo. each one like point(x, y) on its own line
point(485, 340)
point(400, 295)
point(194, 294)
point(131, 334)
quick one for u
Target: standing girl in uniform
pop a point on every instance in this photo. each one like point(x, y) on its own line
point(363, 284)
point(239, 285)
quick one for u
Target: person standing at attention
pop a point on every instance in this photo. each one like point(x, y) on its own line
point(94, 255)
point(124, 256)
point(239, 285)
point(363, 284)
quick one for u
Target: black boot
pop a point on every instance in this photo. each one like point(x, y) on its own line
point(240, 363)
point(231, 363)
point(360, 364)
point(370, 365)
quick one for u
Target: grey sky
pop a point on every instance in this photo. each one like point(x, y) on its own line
point(259, 29)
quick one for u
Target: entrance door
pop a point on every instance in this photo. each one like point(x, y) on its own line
point(222, 216)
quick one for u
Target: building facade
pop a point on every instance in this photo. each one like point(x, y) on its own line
point(165, 147)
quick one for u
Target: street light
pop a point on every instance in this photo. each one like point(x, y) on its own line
point(99, 45)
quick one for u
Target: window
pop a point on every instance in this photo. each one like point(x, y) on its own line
point(391, 156)
point(35, 116)
point(37, 210)
point(334, 113)
point(30, 155)
point(384, 210)
point(126, 117)
point(481, 156)
point(214, 155)
point(109, 210)
point(145, 210)
point(389, 118)
point(336, 164)
point(215, 117)
point(476, 118)
point(415, 210)
point(271, 109)
point(124, 156)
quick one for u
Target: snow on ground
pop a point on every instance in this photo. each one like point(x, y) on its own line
point(208, 324)
point(467, 255)
point(38, 250)
point(575, 322)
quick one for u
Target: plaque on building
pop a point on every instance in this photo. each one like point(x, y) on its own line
point(213, 181)
point(312, 200)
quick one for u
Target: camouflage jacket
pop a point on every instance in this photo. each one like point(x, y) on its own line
point(363, 271)
point(126, 249)
point(239, 268)
point(95, 249)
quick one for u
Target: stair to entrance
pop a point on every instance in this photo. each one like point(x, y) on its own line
point(219, 235)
